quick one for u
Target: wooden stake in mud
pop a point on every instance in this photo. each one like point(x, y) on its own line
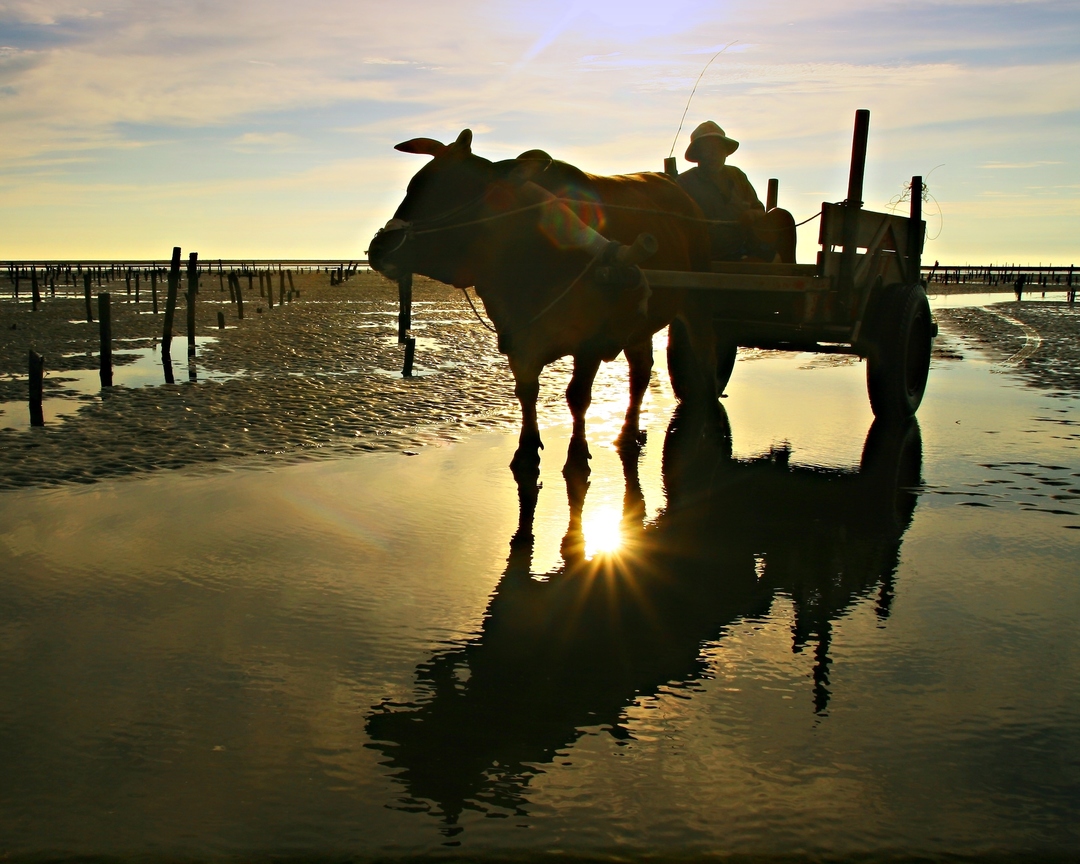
point(404, 319)
point(773, 195)
point(281, 287)
point(220, 320)
point(192, 290)
point(105, 325)
point(269, 290)
point(86, 296)
point(170, 302)
point(153, 287)
point(37, 376)
point(35, 293)
point(410, 354)
point(136, 287)
point(239, 299)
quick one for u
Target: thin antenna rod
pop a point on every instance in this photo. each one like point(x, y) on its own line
point(692, 92)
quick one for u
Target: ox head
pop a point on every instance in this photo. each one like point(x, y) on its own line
point(424, 236)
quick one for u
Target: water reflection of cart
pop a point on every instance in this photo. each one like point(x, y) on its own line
point(864, 296)
point(576, 647)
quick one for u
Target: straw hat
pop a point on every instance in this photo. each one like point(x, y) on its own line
point(708, 129)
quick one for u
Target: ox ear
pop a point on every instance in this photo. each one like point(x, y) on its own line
point(425, 146)
point(464, 142)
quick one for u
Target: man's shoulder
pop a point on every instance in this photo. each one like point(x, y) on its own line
point(690, 175)
point(735, 173)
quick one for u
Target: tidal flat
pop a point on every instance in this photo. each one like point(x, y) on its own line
point(299, 608)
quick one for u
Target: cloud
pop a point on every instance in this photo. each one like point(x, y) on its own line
point(1036, 164)
point(119, 92)
point(254, 142)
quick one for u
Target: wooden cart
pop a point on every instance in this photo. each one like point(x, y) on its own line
point(864, 296)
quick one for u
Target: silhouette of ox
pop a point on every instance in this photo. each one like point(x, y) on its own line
point(470, 222)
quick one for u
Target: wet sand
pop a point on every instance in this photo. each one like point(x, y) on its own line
point(321, 376)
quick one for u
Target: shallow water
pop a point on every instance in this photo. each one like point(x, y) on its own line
point(817, 637)
point(134, 366)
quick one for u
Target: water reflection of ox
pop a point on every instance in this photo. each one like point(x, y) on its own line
point(577, 648)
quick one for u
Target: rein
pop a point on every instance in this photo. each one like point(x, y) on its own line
point(507, 213)
point(539, 314)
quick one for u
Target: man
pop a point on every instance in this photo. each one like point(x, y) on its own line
point(725, 194)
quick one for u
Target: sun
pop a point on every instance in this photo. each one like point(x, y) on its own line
point(603, 532)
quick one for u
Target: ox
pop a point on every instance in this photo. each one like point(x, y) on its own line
point(469, 222)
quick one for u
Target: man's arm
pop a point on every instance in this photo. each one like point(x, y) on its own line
point(744, 190)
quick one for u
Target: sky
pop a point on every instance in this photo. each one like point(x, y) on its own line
point(265, 128)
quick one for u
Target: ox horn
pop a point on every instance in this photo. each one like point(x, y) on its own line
point(644, 247)
point(424, 146)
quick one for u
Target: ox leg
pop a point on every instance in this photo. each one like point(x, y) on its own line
point(579, 397)
point(527, 389)
point(640, 360)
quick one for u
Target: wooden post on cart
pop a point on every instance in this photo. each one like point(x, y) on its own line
point(773, 194)
point(852, 206)
point(915, 231)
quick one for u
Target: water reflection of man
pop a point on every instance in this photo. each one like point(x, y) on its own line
point(726, 194)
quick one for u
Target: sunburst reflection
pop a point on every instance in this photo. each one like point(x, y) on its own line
point(603, 532)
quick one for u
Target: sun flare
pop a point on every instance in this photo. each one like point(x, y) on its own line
point(603, 531)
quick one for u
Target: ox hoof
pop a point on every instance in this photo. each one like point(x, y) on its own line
point(526, 461)
point(578, 450)
point(630, 438)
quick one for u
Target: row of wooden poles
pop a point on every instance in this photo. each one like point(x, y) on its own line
point(73, 274)
point(104, 309)
point(1004, 274)
point(72, 271)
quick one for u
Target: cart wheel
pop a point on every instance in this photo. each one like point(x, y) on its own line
point(680, 360)
point(891, 472)
point(682, 366)
point(898, 359)
point(726, 349)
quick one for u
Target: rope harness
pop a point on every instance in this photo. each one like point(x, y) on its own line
point(408, 230)
point(407, 225)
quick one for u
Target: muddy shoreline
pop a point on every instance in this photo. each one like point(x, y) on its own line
point(321, 376)
point(317, 375)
